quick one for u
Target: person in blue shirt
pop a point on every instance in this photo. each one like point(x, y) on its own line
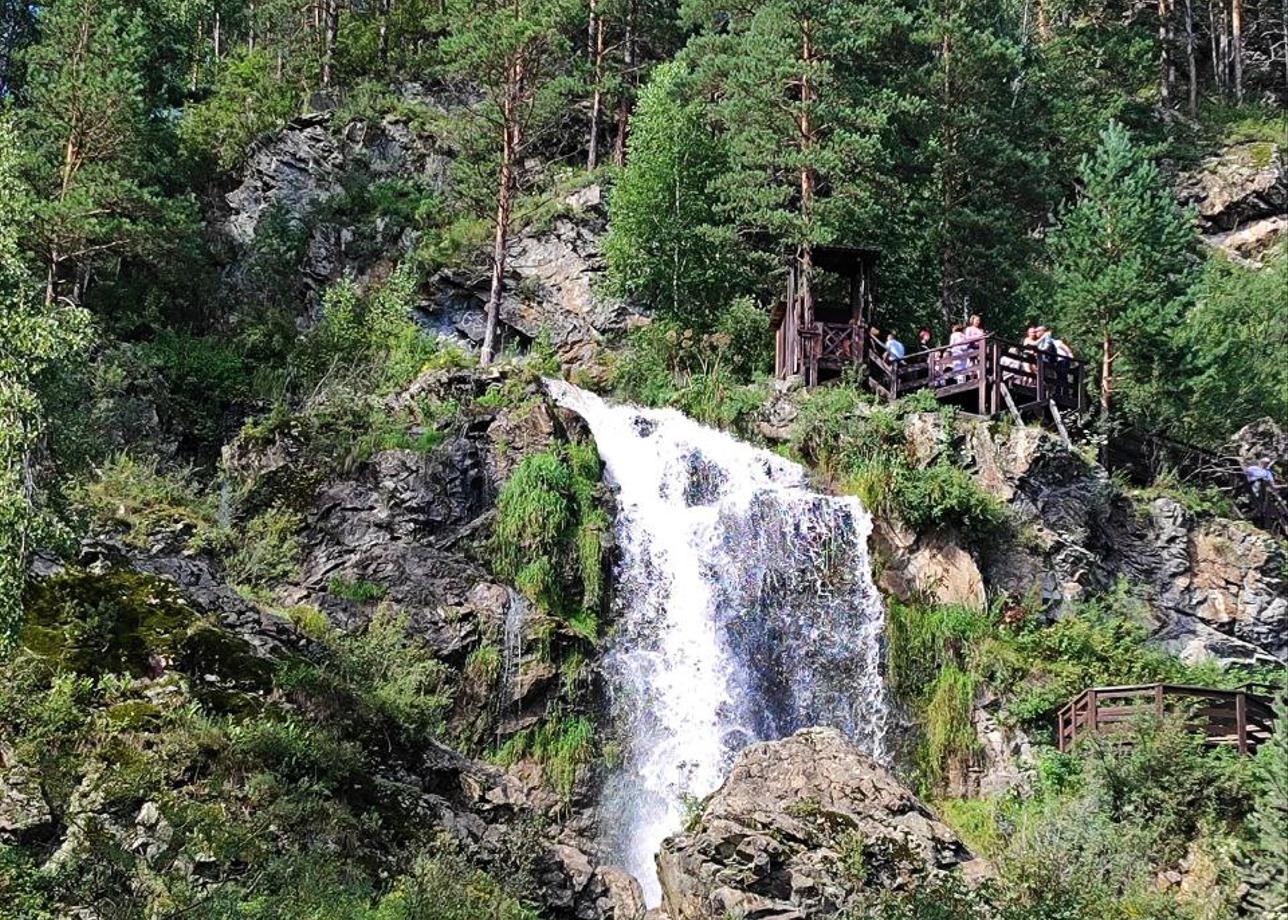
point(1260, 476)
point(894, 348)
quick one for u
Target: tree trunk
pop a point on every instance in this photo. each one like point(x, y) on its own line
point(1191, 64)
point(807, 177)
point(1106, 377)
point(1236, 46)
point(1285, 22)
point(1214, 41)
point(1166, 75)
point(386, 7)
point(1044, 23)
point(504, 201)
point(595, 38)
point(331, 25)
point(624, 104)
point(948, 190)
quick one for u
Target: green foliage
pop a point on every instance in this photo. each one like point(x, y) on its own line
point(1234, 333)
point(939, 658)
point(358, 590)
point(704, 374)
point(39, 344)
point(200, 379)
point(667, 246)
point(562, 745)
point(1262, 863)
point(393, 674)
point(549, 537)
point(282, 777)
point(1122, 265)
point(247, 101)
point(268, 549)
point(146, 499)
point(865, 450)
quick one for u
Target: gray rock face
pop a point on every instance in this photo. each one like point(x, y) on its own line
point(1242, 198)
point(552, 273)
point(1217, 586)
point(802, 828)
point(552, 281)
point(292, 170)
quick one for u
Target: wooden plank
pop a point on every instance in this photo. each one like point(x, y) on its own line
point(1241, 717)
point(1059, 423)
point(1010, 403)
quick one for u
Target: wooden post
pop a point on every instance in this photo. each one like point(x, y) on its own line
point(1040, 369)
point(1093, 716)
point(983, 375)
point(1158, 700)
point(1241, 720)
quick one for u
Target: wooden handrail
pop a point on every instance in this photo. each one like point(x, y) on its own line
point(1238, 717)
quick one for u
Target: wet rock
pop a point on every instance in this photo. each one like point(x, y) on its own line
point(778, 416)
point(802, 828)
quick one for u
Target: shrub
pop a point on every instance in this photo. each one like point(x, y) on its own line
point(268, 552)
point(358, 590)
point(549, 537)
point(145, 498)
point(560, 744)
point(393, 674)
point(943, 495)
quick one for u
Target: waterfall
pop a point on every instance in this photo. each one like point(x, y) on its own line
point(745, 610)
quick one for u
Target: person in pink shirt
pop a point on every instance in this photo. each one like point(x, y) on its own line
point(973, 332)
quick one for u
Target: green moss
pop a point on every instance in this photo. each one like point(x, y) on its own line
point(484, 664)
point(949, 730)
point(110, 623)
point(550, 535)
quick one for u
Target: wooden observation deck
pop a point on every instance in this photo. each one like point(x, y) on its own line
point(823, 334)
point(1241, 718)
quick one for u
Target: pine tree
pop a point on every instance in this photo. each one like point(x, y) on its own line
point(86, 124)
point(1122, 264)
point(666, 245)
point(806, 106)
point(513, 51)
point(985, 152)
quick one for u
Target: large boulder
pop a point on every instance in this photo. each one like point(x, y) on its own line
point(1241, 196)
point(804, 827)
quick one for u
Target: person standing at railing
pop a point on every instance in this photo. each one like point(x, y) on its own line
point(895, 349)
point(971, 336)
point(957, 350)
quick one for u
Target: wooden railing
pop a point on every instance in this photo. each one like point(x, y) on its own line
point(1241, 718)
point(986, 373)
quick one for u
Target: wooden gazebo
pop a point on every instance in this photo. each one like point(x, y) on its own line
point(818, 335)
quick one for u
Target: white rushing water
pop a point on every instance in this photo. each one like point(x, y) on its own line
point(745, 610)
